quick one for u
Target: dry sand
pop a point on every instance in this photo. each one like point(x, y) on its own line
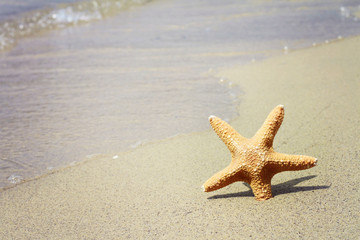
point(153, 192)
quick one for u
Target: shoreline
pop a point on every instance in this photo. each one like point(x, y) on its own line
point(154, 190)
point(231, 86)
point(221, 74)
point(86, 89)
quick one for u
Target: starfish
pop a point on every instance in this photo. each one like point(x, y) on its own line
point(254, 160)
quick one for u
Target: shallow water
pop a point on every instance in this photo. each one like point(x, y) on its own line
point(19, 19)
point(147, 73)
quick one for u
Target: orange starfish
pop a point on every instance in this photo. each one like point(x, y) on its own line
point(254, 160)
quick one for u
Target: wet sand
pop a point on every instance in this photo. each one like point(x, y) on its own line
point(154, 190)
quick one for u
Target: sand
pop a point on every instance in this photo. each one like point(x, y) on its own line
point(153, 191)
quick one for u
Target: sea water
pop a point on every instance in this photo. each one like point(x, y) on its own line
point(90, 77)
point(19, 19)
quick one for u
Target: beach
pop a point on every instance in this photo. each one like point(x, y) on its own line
point(148, 72)
point(105, 131)
point(153, 191)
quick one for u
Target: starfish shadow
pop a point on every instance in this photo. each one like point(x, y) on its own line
point(278, 189)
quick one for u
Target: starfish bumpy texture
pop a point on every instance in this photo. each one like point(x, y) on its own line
point(254, 160)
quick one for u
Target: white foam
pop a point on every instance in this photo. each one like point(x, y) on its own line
point(135, 145)
point(15, 179)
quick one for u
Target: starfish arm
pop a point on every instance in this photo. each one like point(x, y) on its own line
point(266, 134)
point(226, 133)
point(223, 178)
point(261, 188)
point(280, 162)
